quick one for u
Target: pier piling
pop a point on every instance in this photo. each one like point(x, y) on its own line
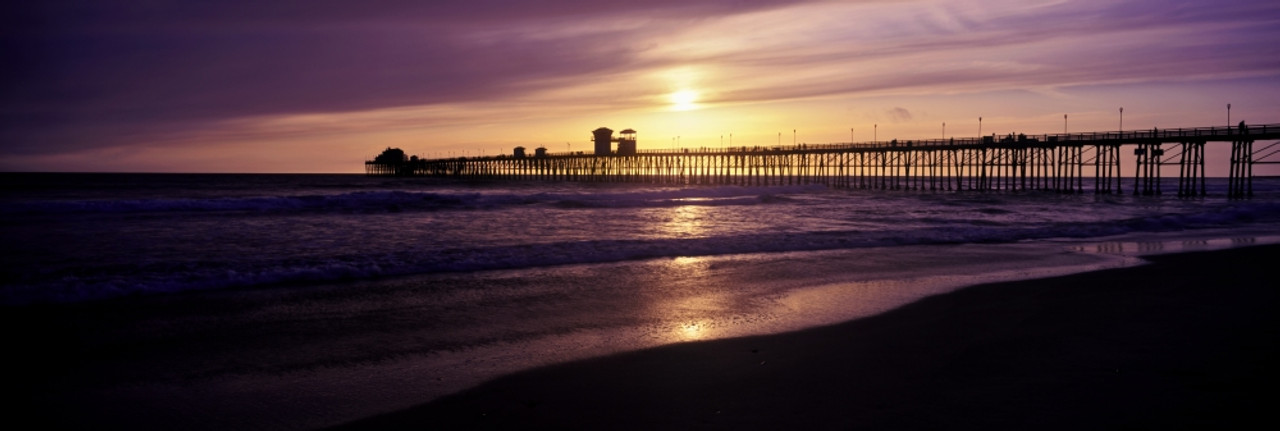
point(1011, 163)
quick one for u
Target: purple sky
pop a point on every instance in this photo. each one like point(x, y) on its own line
point(317, 86)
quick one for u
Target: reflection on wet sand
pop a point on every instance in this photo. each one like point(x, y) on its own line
point(692, 303)
point(692, 331)
point(1147, 247)
point(414, 341)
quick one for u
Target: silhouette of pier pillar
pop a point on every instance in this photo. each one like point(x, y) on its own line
point(1146, 177)
point(1240, 182)
point(1107, 169)
point(1191, 170)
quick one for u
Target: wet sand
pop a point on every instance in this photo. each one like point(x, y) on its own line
point(1188, 342)
point(310, 356)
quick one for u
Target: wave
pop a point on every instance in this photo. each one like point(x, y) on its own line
point(465, 228)
point(397, 201)
point(114, 280)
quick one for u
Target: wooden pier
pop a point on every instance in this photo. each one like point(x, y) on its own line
point(1053, 162)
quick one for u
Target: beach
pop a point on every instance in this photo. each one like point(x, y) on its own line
point(298, 302)
point(1187, 342)
point(643, 215)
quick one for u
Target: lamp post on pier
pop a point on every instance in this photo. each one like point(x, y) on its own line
point(1122, 120)
point(1228, 116)
point(944, 130)
point(1064, 124)
point(979, 127)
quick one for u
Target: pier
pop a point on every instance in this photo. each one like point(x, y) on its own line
point(1049, 162)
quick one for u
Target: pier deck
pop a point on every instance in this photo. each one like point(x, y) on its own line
point(1059, 162)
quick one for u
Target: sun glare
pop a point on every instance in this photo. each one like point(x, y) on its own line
point(684, 100)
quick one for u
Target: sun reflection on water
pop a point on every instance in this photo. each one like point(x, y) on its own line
point(686, 221)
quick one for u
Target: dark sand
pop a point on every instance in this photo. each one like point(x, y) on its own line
point(1190, 342)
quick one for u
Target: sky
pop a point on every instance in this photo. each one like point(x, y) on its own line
point(322, 85)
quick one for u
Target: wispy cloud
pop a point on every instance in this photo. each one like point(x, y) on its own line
point(898, 114)
point(922, 46)
point(95, 74)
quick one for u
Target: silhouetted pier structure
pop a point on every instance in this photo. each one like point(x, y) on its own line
point(1053, 162)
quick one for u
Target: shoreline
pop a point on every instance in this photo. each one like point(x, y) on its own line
point(1183, 342)
point(203, 360)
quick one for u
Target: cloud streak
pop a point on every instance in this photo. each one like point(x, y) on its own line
point(97, 65)
point(962, 50)
point(95, 74)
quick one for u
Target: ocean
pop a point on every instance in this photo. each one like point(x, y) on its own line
point(339, 296)
point(81, 237)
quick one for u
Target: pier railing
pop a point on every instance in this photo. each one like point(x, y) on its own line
point(1010, 162)
point(1207, 134)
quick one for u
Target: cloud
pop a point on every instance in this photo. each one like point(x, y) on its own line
point(105, 66)
point(212, 59)
point(963, 47)
point(84, 75)
point(898, 114)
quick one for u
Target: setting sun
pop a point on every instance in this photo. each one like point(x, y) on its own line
point(684, 100)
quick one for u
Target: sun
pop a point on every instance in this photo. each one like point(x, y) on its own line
point(684, 100)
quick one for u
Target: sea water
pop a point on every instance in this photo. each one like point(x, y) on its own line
point(79, 237)
point(296, 301)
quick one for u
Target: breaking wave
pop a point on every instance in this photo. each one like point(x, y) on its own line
point(90, 283)
point(383, 201)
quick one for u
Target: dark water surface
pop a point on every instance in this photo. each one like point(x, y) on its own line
point(299, 301)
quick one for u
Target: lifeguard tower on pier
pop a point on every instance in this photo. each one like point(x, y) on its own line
point(627, 143)
point(604, 142)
